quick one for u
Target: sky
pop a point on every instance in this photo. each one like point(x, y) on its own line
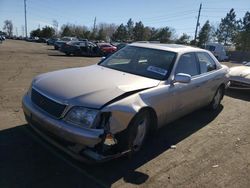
point(180, 15)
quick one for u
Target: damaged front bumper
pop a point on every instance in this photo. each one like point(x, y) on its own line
point(79, 143)
point(237, 84)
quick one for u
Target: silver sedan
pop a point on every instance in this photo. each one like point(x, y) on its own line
point(106, 110)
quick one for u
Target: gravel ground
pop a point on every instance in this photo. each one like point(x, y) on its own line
point(212, 149)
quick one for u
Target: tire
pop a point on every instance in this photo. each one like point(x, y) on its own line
point(215, 103)
point(68, 54)
point(137, 131)
point(126, 138)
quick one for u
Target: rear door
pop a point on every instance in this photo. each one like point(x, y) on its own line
point(209, 77)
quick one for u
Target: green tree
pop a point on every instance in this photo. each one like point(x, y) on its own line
point(163, 35)
point(120, 34)
point(243, 37)
point(130, 28)
point(66, 31)
point(35, 33)
point(47, 32)
point(228, 28)
point(147, 33)
point(184, 39)
point(204, 34)
point(101, 34)
point(153, 33)
point(138, 31)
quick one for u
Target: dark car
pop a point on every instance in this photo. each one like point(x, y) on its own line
point(59, 43)
point(42, 40)
point(85, 48)
point(52, 41)
point(2, 38)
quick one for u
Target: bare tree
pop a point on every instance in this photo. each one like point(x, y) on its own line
point(107, 30)
point(8, 27)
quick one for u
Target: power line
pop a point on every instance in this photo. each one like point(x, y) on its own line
point(171, 15)
point(169, 20)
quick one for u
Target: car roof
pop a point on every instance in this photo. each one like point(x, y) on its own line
point(168, 47)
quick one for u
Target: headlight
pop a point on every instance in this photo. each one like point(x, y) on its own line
point(83, 117)
point(30, 89)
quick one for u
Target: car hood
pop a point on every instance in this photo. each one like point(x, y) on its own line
point(91, 86)
point(240, 71)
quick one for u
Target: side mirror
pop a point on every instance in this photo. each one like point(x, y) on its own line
point(101, 60)
point(182, 78)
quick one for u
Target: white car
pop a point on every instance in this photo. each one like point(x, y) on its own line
point(239, 77)
point(218, 50)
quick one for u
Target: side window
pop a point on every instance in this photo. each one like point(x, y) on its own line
point(206, 62)
point(187, 64)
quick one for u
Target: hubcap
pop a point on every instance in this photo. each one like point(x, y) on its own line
point(217, 99)
point(140, 134)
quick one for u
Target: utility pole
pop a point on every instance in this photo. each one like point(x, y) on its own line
point(16, 32)
point(197, 24)
point(25, 17)
point(94, 25)
point(22, 30)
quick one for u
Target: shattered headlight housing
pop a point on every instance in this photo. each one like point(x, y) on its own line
point(83, 117)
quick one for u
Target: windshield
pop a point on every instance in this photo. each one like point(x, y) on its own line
point(151, 63)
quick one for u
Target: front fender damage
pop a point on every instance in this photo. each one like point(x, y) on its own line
point(123, 111)
point(117, 118)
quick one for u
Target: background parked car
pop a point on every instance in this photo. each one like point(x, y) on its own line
point(42, 40)
point(85, 48)
point(52, 41)
point(32, 39)
point(239, 77)
point(62, 41)
point(218, 50)
point(107, 48)
point(2, 38)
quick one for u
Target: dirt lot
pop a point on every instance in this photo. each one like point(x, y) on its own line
point(212, 149)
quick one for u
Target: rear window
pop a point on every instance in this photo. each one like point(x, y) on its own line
point(210, 48)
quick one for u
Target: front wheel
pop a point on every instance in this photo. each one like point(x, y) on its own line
point(138, 130)
point(214, 105)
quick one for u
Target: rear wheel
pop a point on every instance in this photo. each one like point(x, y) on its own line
point(214, 105)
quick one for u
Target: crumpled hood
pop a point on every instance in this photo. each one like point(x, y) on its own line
point(91, 86)
point(240, 71)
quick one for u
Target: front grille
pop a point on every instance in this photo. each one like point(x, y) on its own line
point(53, 108)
